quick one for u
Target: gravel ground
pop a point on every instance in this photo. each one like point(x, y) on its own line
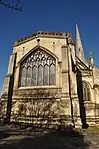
point(17, 138)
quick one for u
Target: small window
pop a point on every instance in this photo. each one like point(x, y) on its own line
point(86, 92)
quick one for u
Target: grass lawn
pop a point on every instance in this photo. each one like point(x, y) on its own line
point(92, 130)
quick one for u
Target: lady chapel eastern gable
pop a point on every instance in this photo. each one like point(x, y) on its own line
point(49, 81)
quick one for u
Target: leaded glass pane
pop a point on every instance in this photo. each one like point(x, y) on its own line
point(34, 72)
point(29, 76)
point(52, 74)
point(23, 77)
point(40, 77)
point(45, 75)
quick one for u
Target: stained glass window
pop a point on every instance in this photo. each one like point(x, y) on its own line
point(38, 69)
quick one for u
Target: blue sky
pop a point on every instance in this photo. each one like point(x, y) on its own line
point(49, 15)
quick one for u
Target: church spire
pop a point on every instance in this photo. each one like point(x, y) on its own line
point(79, 47)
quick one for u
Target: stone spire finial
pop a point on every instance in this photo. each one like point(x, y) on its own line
point(79, 47)
point(91, 59)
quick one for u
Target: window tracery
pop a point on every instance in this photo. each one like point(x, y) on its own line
point(37, 69)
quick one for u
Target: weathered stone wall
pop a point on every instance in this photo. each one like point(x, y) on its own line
point(40, 107)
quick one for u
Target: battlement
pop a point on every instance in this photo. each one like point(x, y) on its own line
point(41, 34)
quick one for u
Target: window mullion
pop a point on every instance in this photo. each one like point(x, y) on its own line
point(37, 76)
point(26, 78)
point(49, 75)
point(85, 94)
point(54, 74)
point(42, 75)
point(32, 76)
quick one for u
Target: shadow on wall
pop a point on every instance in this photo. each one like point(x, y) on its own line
point(42, 139)
point(81, 100)
point(45, 107)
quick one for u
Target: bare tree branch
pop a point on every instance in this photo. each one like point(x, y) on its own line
point(12, 5)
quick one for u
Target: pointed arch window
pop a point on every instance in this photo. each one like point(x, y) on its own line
point(38, 69)
point(86, 92)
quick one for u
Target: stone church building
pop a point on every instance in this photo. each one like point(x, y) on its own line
point(49, 82)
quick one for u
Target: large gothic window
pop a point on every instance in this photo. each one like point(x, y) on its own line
point(37, 69)
point(86, 92)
